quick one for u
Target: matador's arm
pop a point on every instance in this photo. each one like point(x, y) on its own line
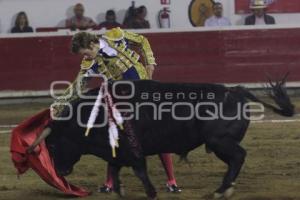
point(144, 45)
point(70, 94)
point(76, 88)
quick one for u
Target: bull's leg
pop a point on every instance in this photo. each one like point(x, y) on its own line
point(230, 152)
point(115, 173)
point(141, 172)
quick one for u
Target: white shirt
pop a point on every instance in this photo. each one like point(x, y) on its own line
point(260, 21)
point(107, 49)
point(217, 21)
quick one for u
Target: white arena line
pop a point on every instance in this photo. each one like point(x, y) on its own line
point(6, 131)
point(8, 126)
point(276, 121)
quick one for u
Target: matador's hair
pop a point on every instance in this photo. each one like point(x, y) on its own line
point(83, 40)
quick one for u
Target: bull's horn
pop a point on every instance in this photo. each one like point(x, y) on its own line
point(121, 127)
point(87, 132)
point(114, 152)
point(269, 79)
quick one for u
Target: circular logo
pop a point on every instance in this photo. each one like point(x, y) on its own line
point(199, 11)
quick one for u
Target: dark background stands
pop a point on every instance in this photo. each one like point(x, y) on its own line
point(79, 21)
point(139, 21)
point(110, 21)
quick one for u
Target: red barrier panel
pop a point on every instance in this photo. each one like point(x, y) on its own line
point(217, 56)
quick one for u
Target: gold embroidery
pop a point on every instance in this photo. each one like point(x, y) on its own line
point(86, 64)
point(112, 68)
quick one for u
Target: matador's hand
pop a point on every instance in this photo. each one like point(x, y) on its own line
point(150, 70)
point(30, 149)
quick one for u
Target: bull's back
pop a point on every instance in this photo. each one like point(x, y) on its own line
point(164, 113)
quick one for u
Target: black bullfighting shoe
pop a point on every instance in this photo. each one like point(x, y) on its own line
point(105, 189)
point(173, 188)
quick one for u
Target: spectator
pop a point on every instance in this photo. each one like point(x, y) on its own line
point(139, 21)
point(79, 21)
point(129, 16)
point(259, 16)
point(21, 24)
point(110, 21)
point(217, 19)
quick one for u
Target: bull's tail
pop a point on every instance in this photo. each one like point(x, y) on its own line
point(278, 94)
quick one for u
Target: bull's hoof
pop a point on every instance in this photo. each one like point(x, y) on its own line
point(227, 194)
point(218, 195)
point(153, 198)
point(122, 191)
point(152, 195)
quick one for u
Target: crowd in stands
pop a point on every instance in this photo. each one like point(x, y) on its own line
point(258, 16)
point(135, 18)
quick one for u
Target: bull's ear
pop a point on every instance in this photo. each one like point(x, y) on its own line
point(269, 78)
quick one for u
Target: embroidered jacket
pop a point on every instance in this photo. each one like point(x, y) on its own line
point(114, 58)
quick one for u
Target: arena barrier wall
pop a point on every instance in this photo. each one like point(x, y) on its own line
point(244, 55)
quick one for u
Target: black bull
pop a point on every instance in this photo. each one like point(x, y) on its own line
point(147, 134)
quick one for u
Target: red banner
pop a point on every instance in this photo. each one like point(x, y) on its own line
point(275, 6)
